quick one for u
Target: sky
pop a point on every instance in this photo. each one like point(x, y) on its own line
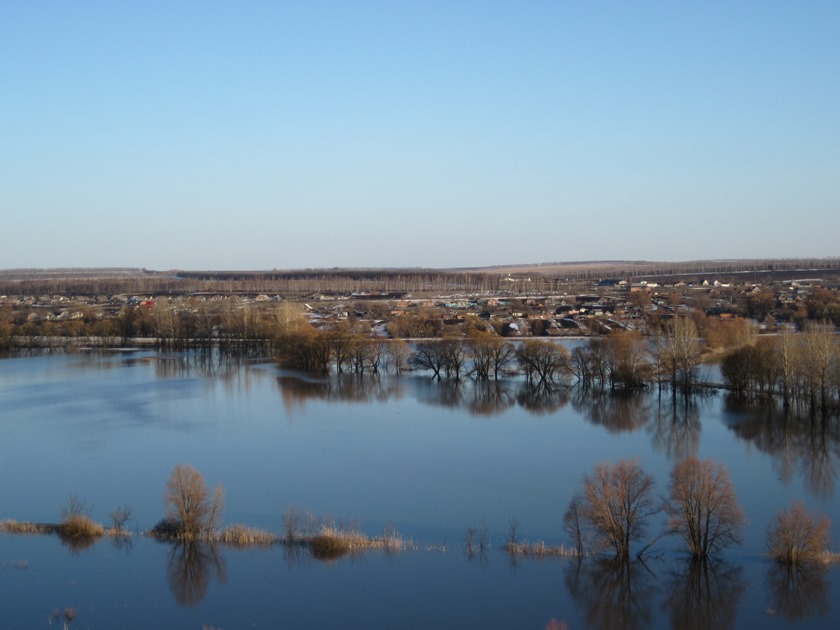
point(286, 135)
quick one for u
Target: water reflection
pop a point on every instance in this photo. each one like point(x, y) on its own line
point(674, 425)
point(483, 398)
point(76, 544)
point(189, 570)
point(297, 390)
point(442, 393)
point(797, 592)
point(123, 543)
point(704, 595)
point(225, 367)
point(808, 444)
point(613, 594)
point(616, 411)
point(542, 398)
point(490, 398)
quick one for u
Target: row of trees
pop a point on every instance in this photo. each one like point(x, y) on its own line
point(803, 369)
point(623, 359)
point(612, 512)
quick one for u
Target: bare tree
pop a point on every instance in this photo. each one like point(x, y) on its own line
point(787, 357)
point(489, 354)
point(188, 504)
point(573, 521)
point(454, 356)
point(703, 509)
point(677, 352)
point(543, 361)
point(614, 507)
point(428, 356)
point(797, 536)
point(820, 349)
point(626, 364)
point(398, 354)
point(76, 507)
point(120, 517)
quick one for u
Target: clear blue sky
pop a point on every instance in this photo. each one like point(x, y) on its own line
point(259, 135)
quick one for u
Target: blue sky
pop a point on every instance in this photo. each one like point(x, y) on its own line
point(260, 135)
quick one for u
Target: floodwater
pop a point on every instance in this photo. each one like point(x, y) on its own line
point(430, 459)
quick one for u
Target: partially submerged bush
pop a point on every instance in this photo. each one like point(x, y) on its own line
point(166, 529)
point(797, 536)
point(119, 518)
point(80, 526)
point(300, 525)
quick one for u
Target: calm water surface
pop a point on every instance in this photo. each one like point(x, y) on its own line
point(431, 459)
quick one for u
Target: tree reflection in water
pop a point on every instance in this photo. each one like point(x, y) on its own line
point(442, 393)
point(297, 389)
point(490, 398)
point(704, 594)
point(543, 397)
point(674, 425)
point(614, 594)
point(616, 411)
point(189, 570)
point(798, 592)
point(809, 444)
point(77, 544)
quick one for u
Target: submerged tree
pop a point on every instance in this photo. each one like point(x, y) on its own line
point(542, 361)
point(188, 507)
point(613, 509)
point(703, 509)
point(489, 354)
point(676, 353)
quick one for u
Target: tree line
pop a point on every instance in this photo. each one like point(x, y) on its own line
point(802, 369)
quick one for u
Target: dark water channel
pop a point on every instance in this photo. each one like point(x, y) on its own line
point(430, 459)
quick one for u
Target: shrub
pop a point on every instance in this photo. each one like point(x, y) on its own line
point(120, 517)
point(80, 527)
point(166, 529)
point(797, 536)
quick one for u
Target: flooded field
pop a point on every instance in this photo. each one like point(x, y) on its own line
point(429, 459)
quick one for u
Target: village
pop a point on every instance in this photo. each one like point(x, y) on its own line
point(589, 308)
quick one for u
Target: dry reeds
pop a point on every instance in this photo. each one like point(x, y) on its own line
point(334, 542)
point(239, 535)
point(539, 549)
point(10, 526)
